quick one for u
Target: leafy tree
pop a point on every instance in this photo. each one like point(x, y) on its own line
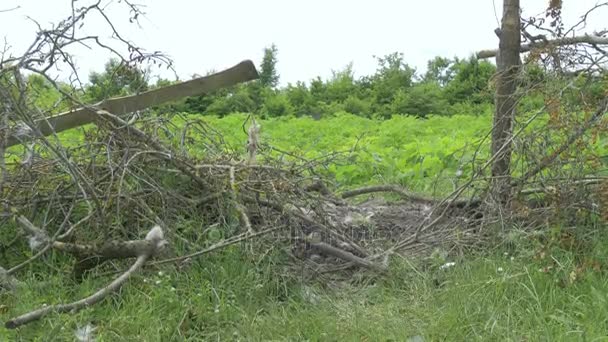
point(238, 100)
point(318, 89)
point(439, 70)
point(269, 76)
point(117, 79)
point(470, 82)
point(341, 85)
point(392, 75)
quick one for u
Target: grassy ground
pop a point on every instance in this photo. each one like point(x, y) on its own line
point(525, 293)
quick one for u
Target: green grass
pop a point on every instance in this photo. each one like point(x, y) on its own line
point(498, 296)
point(402, 150)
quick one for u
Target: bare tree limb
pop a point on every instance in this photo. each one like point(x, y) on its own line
point(154, 237)
point(585, 39)
point(227, 242)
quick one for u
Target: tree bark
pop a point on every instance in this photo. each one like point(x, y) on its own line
point(505, 101)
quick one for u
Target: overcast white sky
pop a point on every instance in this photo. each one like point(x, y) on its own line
point(313, 37)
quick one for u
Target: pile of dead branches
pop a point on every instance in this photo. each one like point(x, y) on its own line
point(96, 199)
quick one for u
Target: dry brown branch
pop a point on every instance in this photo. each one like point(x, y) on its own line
point(553, 189)
point(156, 242)
point(238, 206)
point(38, 235)
point(160, 150)
point(346, 256)
point(89, 255)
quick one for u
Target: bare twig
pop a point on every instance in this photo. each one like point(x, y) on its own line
point(579, 131)
point(10, 9)
point(219, 245)
point(387, 188)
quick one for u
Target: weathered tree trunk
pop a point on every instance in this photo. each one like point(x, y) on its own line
point(505, 101)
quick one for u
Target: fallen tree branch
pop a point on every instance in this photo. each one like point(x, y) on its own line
point(155, 238)
point(586, 39)
point(386, 188)
point(346, 256)
point(553, 189)
point(108, 250)
point(38, 236)
point(237, 205)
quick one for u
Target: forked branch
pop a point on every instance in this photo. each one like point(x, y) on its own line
point(154, 238)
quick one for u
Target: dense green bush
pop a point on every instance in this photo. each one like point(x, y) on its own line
point(421, 100)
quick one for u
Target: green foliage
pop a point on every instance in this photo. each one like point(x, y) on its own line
point(239, 100)
point(421, 100)
point(45, 97)
point(277, 104)
point(117, 79)
point(300, 98)
point(269, 76)
point(404, 149)
point(440, 71)
point(471, 82)
point(340, 86)
point(358, 106)
point(393, 89)
point(393, 75)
